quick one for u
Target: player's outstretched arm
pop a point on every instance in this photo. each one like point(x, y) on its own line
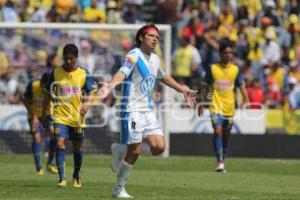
point(187, 92)
point(106, 88)
point(46, 103)
point(245, 96)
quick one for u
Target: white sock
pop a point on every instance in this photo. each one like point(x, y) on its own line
point(123, 173)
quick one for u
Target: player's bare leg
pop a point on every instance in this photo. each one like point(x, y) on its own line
point(156, 144)
point(60, 160)
point(218, 147)
point(133, 152)
point(77, 156)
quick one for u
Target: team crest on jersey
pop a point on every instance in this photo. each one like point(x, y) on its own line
point(147, 84)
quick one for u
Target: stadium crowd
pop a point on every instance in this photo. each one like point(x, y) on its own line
point(265, 35)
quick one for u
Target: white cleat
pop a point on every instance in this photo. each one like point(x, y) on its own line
point(220, 167)
point(120, 192)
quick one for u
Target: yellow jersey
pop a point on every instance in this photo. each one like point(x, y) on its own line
point(222, 81)
point(67, 91)
point(35, 94)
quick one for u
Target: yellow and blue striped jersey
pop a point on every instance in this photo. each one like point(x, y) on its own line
point(67, 90)
point(223, 80)
point(35, 94)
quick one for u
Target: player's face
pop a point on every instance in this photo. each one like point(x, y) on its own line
point(151, 39)
point(227, 55)
point(69, 61)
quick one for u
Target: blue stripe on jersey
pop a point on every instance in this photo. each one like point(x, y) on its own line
point(124, 126)
point(143, 69)
point(124, 114)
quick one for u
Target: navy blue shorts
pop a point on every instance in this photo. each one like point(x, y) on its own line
point(220, 120)
point(73, 133)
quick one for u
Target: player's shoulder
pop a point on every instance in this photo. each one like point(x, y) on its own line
point(155, 56)
point(134, 51)
point(83, 70)
point(34, 82)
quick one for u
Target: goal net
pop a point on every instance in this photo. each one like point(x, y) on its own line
point(31, 48)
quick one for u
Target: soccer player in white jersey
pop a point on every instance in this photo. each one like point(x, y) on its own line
point(139, 71)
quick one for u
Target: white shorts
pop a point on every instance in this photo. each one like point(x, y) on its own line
point(135, 126)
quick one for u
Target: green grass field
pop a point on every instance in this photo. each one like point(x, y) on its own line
point(173, 178)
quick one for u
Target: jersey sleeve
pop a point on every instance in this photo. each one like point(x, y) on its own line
point(28, 92)
point(128, 63)
point(208, 76)
point(89, 83)
point(49, 83)
point(239, 81)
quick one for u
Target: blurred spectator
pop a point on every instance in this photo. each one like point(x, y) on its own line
point(86, 58)
point(4, 63)
point(9, 13)
point(294, 93)
point(113, 13)
point(186, 60)
point(132, 14)
point(270, 48)
point(270, 12)
point(194, 30)
point(273, 94)
point(256, 94)
point(53, 60)
point(94, 14)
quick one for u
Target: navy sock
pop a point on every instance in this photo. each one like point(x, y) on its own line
point(60, 162)
point(36, 151)
point(225, 148)
point(51, 151)
point(218, 146)
point(77, 163)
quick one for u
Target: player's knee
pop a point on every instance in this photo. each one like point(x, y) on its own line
point(157, 149)
point(60, 144)
point(136, 152)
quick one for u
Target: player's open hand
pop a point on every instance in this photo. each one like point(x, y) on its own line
point(190, 96)
point(84, 109)
point(200, 110)
point(104, 90)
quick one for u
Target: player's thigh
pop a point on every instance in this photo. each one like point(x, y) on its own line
point(155, 140)
point(60, 133)
point(76, 135)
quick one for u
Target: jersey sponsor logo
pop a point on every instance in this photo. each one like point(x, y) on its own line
point(223, 84)
point(127, 63)
point(69, 90)
point(147, 84)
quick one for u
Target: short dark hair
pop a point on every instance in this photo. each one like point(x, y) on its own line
point(224, 44)
point(141, 32)
point(70, 49)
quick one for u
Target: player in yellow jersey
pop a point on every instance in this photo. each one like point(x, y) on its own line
point(222, 79)
point(33, 101)
point(70, 90)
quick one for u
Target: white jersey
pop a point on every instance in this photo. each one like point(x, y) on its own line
point(141, 72)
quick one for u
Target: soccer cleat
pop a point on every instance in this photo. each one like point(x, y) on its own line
point(52, 169)
point(116, 157)
point(62, 183)
point(120, 192)
point(77, 183)
point(220, 167)
point(40, 172)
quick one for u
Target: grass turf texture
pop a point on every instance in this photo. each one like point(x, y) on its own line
point(156, 178)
